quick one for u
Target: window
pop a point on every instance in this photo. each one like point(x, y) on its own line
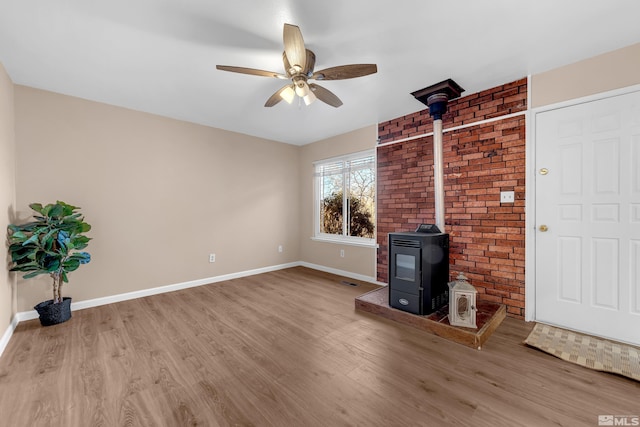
point(345, 199)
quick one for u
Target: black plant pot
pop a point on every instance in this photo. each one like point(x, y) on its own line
point(52, 314)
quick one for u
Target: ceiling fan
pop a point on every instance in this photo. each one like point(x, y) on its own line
point(298, 64)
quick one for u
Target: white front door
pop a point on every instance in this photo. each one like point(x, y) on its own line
point(588, 198)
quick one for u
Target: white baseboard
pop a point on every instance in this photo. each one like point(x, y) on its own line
point(26, 315)
point(4, 341)
point(80, 305)
point(337, 272)
point(32, 314)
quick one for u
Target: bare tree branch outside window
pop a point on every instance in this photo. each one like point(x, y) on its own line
point(357, 204)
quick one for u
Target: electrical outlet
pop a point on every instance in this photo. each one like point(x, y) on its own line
point(279, 248)
point(507, 197)
point(212, 257)
point(341, 253)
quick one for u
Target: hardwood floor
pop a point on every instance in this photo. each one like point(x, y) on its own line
point(286, 348)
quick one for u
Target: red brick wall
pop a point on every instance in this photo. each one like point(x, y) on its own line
point(487, 237)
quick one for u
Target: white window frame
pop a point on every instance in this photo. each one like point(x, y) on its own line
point(334, 238)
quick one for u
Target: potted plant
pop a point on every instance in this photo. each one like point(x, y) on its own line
point(51, 244)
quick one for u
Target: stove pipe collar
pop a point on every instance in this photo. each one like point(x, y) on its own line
point(437, 96)
point(437, 104)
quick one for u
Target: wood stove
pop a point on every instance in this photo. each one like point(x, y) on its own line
point(419, 270)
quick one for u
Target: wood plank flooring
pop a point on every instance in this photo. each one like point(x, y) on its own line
point(286, 348)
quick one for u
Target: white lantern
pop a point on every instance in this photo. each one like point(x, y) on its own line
point(462, 303)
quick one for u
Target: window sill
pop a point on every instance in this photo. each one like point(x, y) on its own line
point(346, 241)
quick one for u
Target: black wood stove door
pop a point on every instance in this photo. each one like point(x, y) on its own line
point(405, 269)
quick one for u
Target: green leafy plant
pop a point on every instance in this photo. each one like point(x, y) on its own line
point(51, 244)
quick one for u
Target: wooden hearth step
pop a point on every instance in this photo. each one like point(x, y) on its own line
point(490, 315)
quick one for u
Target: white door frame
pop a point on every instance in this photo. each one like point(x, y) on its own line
point(530, 190)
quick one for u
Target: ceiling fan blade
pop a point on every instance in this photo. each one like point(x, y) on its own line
point(294, 47)
point(251, 71)
point(343, 72)
point(325, 95)
point(276, 97)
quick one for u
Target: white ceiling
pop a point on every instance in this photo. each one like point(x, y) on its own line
point(159, 56)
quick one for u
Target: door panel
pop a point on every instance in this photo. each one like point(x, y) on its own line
point(604, 273)
point(569, 277)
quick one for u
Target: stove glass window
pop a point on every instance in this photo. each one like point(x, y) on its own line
point(405, 267)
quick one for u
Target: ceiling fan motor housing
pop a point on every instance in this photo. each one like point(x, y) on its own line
point(308, 69)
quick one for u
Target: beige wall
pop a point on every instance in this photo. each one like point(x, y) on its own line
point(613, 70)
point(161, 194)
point(357, 259)
point(7, 196)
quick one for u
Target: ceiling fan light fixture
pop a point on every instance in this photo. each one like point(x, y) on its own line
point(302, 88)
point(288, 94)
point(309, 98)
